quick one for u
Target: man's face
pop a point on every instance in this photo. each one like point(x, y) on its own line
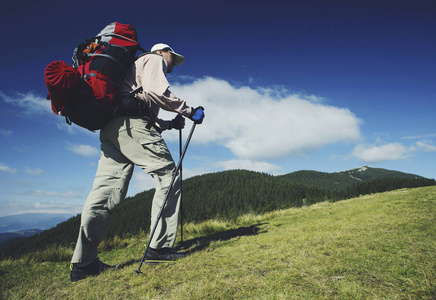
point(168, 57)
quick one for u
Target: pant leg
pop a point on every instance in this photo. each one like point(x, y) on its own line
point(147, 149)
point(109, 189)
point(166, 230)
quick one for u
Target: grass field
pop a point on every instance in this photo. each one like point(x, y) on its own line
point(380, 246)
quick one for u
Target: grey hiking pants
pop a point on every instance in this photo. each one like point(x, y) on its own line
point(126, 142)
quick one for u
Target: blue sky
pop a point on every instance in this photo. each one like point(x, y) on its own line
point(286, 86)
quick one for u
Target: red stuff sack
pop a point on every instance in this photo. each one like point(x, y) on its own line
point(61, 81)
point(99, 65)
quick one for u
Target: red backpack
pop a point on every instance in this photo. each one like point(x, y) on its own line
point(86, 94)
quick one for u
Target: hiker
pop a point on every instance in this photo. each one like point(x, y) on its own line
point(129, 140)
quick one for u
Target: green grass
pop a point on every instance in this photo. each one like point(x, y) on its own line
point(380, 246)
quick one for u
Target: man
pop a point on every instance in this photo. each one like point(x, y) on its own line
point(129, 140)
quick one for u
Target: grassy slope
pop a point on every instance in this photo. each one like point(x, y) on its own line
point(380, 246)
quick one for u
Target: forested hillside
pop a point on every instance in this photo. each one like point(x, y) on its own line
point(341, 180)
point(328, 181)
point(226, 195)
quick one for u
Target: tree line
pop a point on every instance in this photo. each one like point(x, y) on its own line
point(223, 195)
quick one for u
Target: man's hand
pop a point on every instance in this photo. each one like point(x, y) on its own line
point(197, 115)
point(178, 122)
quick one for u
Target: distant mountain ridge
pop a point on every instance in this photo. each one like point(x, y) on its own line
point(41, 221)
point(344, 179)
point(366, 173)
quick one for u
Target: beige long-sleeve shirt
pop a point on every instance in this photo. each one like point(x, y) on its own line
point(149, 71)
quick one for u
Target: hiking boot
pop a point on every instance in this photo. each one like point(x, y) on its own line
point(162, 255)
point(93, 269)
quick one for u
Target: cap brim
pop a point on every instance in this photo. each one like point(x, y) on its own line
point(178, 59)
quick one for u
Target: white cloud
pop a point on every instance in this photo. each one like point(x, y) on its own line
point(54, 194)
point(45, 194)
point(84, 150)
point(8, 208)
point(36, 171)
point(425, 146)
point(141, 182)
point(266, 123)
point(7, 169)
point(387, 152)
point(28, 103)
point(427, 135)
point(5, 132)
point(391, 151)
point(248, 165)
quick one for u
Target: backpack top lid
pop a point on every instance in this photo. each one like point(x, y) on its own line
point(119, 34)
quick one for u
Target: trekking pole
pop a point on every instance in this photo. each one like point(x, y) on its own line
point(181, 187)
point(138, 271)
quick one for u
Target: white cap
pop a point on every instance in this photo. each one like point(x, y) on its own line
point(178, 59)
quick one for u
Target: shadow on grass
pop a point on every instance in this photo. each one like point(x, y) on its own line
point(202, 243)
